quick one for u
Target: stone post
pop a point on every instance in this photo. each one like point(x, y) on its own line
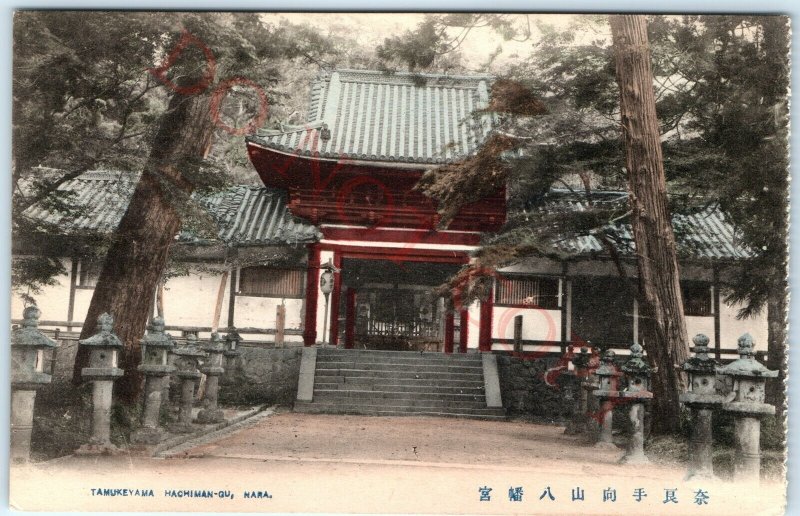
point(28, 344)
point(155, 366)
point(211, 413)
point(638, 393)
point(580, 361)
point(590, 384)
point(701, 399)
point(746, 404)
point(607, 394)
point(104, 350)
point(187, 359)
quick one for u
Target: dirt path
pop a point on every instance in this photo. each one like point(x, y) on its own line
point(314, 463)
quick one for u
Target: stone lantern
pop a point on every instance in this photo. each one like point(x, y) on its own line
point(232, 341)
point(215, 348)
point(607, 393)
point(156, 367)
point(104, 348)
point(326, 287)
point(701, 399)
point(580, 362)
point(746, 403)
point(187, 360)
point(28, 345)
point(637, 393)
point(588, 386)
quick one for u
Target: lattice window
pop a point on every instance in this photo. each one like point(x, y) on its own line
point(697, 298)
point(88, 273)
point(536, 292)
point(271, 282)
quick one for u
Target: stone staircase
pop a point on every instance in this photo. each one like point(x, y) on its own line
point(398, 383)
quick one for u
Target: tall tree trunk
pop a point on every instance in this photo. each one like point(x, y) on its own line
point(776, 345)
point(657, 262)
point(138, 254)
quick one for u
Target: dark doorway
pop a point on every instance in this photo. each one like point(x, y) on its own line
point(394, 303)
point(602, 311)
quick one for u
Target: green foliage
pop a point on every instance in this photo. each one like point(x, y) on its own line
point(87, 96)
point(721, 86)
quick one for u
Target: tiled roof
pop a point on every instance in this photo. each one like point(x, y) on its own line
point(701, 233)
point(250, 215)
point(245, 215)
point(395, 117)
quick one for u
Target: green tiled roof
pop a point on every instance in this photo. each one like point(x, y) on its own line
point(245, 215)
point(700, 234)
point(394, 117)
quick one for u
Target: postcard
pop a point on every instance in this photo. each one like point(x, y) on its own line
point(447, 263)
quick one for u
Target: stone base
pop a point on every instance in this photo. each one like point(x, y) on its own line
point(638, 458)
point(183, 428)
point(700, 475)
point(207, 417)
point(147, 435)
point(603, 445)
point(98, 449)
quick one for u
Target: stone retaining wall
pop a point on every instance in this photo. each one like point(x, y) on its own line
point(262, 375)
point(525, 393)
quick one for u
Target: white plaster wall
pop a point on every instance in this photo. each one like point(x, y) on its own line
point(83, 297)
point(191, 300)
point(537, 323)
point(53, 301)
point(534, 266)
point(261, 312)
point(731, 328)
point(697, 324)
point(474, 325)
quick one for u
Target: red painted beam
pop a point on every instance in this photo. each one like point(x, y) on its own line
point(411, 237)
point(400, 254)
point(463, 334)
point(485, 335)
point(449, 329)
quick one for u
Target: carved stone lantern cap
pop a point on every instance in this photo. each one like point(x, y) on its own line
point(581, 360)
point(746, 366)
point(214, 345)
point(232, 341)
point(636, 363)
point(701, 362)
point(30, 334)
point(607, 366)
point(156, 337)
point(104, 338)
point(189, 349)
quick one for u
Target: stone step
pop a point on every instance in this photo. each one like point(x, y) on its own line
point(329, 394)
point(386, 366)
point(390, 374)
point(396, 404)
point(375, 352)
point(414, 358)
point(457, 388)
point(397, 410)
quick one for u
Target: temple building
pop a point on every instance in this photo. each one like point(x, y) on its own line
point(338, 204)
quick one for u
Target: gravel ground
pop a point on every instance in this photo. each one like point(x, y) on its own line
point(353, 464)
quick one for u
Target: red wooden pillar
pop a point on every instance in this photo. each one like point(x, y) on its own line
point(350, 319)
point(449, 330)
point(312, 287)
point(463, 334)
point(337, 292)
point(485, 335)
